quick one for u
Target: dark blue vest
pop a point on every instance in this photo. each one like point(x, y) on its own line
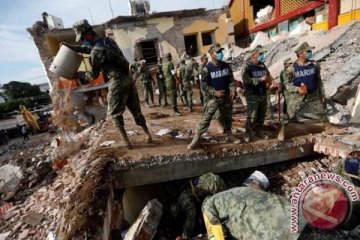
point(306, 75)
point(219, 76)
point(258, 72)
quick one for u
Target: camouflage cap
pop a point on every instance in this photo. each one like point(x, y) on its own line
point(80, 27)
point(215, 47)
point(259, 49)
point(204, 56)
point(304, 47)
point(287, 61)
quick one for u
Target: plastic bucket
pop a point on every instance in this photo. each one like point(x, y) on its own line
point(259, 179)
point(66, 63)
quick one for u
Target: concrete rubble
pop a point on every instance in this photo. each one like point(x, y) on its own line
point(71, 185)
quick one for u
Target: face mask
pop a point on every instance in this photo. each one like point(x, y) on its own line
point(219, 56)
point(86, 43)
point(261, 58)
point(309, 55)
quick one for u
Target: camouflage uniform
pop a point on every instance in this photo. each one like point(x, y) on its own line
point(186, 84)
point(295, 101)
point(257, 102)
point(134, 68)
point(202, 90)
point(180, 73)
point(146, 82)
point(161, 84)
point(217, 77)
point(191, 199)
point(170, 82)
point(107, 57)
point(282, 76)
point(247, 213)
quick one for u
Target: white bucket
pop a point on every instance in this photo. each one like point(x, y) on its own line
point(66, 63)
point(258, 178)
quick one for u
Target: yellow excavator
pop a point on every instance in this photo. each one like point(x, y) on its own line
point(33, 122)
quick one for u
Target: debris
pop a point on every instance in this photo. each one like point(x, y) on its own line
point(264, 14)
point(185, 134)
point(33, 218)
point(146, 225)
point(3, 236)
point(133, 133)
point(10, 177)
point(4, 208)
point(157, 115)
point(59, 164)
point(164, 131)
point(261, 38)
point(107, 143)
point(302, 28)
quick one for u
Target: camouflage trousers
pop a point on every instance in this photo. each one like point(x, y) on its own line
point(269, 112)
point(162, 91)
point(256, 111)
point(148, 92)
point(187, 94)
point(123, 94)
point(173, 95)
point(224, 107)
point(295, 103)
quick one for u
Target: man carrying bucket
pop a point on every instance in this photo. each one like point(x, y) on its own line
point(107, 57)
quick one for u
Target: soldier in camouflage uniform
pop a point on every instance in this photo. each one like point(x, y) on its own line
point(189, 202)
point(247, 213)
point(204, 61)
point(220, 87)
point(257, 79)
point(186, 76)
point(161, 84)
point(170, 82)
point(106, 56)
point(287, 64)
point(304, 87)
point(146, 81)
point(180, 73)
point(134, 69)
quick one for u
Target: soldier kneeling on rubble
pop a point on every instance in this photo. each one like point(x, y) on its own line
point(189, 202)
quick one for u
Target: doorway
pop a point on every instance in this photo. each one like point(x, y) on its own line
point(191, 45)
point(149, 52)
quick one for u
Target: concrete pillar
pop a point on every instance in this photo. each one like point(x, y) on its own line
point(334, 10)
point(277, 8)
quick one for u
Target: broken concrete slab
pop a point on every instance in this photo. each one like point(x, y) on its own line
point(33, 218)
point(332, 147)
point(146, 225)
point(10, 177)
point(348, 72)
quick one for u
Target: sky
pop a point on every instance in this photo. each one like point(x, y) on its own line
point(19, 57)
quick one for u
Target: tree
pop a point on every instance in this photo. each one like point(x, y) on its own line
point(4, 96)
point(18, 90)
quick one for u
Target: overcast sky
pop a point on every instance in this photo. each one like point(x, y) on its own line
point(19, 58)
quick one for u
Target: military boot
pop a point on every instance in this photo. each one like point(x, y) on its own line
point(281, 135)
point(176, 112)
point(231, 139)
point(261, 135)
point(148, 138)
point(332, 129)
point(125, 139)
point(195, 142)
point(247, 136)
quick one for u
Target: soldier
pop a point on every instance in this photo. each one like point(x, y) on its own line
point(134, 69)
point(190, 200)
point(170, 82)
point(107, 57)
point(204, 61)
point(186, 77)
point(219, 84)
point(257, 80)
point(146, 82)
point(287, 64)
point(247, 213)
point(161, 84)
point(304, 87)
point(180, 73)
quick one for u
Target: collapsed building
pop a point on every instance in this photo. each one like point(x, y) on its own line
point(99, 189)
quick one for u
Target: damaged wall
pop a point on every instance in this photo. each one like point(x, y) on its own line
point(168, 32)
